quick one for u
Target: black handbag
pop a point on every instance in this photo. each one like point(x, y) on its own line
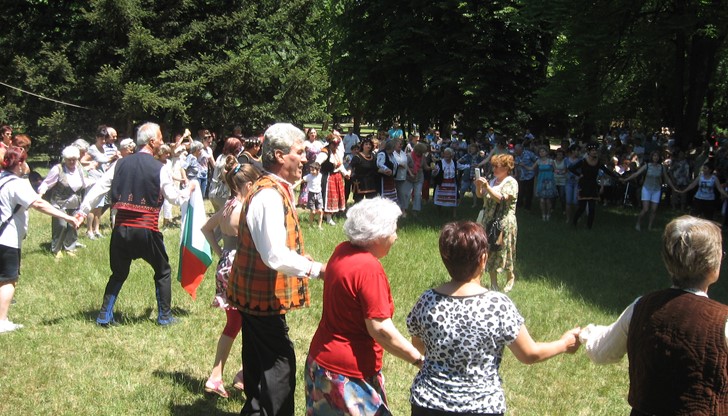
point(494, 228)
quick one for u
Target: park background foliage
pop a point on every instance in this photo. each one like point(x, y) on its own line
point(556, 66)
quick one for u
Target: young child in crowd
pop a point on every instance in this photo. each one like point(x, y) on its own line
point(315, 201)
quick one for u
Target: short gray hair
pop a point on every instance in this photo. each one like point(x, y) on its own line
point(370, 220)
point(389, 145)
point(81, 144)
point(280, 136)
point(691, 249)
point(195, 146)
point(127, 144)
point(70, 152)
point(146, 132)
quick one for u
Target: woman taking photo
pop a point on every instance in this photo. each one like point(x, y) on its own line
point(343, 369)
point(67, 183)
point(501, 190)
point(463, 328)
point(16, 196)
point(239, 178)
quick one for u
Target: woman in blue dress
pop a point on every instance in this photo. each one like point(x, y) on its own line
point(545, 184)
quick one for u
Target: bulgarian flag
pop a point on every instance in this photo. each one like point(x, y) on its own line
point(194, 251)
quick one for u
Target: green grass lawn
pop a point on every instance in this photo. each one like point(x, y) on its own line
point(62, 363)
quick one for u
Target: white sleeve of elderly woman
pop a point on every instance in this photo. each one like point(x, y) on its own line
point(607, 344)
point(692, 254)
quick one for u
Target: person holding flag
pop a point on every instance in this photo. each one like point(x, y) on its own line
point(138, 183)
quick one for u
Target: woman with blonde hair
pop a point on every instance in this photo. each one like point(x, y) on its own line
point(239, 178)
point(500, 195)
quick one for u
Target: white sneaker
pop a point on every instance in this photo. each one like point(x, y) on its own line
point(7, 326)
point(331, 221)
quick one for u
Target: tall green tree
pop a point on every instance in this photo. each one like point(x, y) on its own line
point(437, 62)
point(652, 61)
point(179, 62)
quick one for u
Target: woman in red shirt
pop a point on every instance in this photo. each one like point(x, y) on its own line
point(343, 369)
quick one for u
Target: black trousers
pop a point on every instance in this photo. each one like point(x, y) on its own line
point(525, 193)
point(130, 243)
point(423, 411)
point(588, 205)
point(269, 366)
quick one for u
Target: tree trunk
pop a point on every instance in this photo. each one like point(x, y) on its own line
point(703, 64)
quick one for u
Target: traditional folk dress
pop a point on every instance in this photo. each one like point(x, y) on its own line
point(446, 193)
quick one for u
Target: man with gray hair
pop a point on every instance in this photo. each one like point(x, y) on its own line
point(270, 275)
point(138, 185)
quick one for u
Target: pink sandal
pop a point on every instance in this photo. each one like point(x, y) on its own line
point(238, 381)
point(216, 387)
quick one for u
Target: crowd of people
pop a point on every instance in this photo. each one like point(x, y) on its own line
point(459, 329)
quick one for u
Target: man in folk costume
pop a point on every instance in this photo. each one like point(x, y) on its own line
point(139, 183)
point(270, 275)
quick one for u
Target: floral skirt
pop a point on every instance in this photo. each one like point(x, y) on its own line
point(224, 266)
point(329, 394)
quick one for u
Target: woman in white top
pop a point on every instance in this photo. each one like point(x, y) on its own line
point(704, 203)
point(16, 196)
point(655, 173)
point(67, 182)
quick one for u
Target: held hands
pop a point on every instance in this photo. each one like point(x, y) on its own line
point(77, 220)
point(571, 340)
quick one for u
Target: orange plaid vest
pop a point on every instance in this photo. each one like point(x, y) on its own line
point(253, 287)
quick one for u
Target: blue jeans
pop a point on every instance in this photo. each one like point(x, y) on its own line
point(203, 185)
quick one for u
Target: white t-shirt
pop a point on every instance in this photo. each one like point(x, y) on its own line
point(18, 191)
point(313, 182)
point(349, 141)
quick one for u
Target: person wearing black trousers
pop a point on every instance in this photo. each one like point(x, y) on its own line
point(587, 170)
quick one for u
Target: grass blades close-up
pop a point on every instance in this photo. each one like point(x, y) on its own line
point(62, 363)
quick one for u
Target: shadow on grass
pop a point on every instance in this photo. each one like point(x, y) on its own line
point(90, 315)
point(607, 266)
point(205, 405)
